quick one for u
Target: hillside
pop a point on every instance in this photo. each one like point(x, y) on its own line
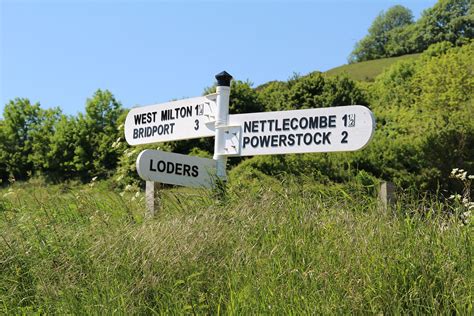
point(368, 70)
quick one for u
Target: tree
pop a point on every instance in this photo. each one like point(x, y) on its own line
point(317, 90)
point(21, 118)
point(40, 141)
point(374, 44)
point(3, 154)
point(447, 20)
point(274, 96)
point(63, 145)
point(96, 132)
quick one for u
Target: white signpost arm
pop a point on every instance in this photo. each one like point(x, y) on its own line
point(222, 119)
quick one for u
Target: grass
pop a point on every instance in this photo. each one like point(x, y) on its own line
point(274, 247)
point(368, 70)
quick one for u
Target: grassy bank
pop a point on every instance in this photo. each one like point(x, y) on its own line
point(368, 70)
point(273, 247)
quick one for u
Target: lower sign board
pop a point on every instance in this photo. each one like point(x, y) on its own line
point(182, 119)
point(177, 169)
point(343, 128)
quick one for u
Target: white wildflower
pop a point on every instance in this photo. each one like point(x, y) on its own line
point(471, 176)
point(455, 197)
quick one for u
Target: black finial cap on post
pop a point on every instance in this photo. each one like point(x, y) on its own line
point(223, 79)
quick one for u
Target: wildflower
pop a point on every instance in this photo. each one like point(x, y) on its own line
point(463, 175)
point(455, 197)
point(95, 178)
point(471, 176)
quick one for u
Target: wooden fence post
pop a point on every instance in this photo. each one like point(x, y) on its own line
point(152, 197)
point(387, 195)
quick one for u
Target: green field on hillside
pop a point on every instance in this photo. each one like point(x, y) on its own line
point(291, 246)
point(368, 70)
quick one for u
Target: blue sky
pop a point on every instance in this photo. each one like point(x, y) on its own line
point(59, 52)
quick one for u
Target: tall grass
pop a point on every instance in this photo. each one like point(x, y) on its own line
point(272, 247)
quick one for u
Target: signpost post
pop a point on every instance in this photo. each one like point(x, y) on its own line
point(342, 128)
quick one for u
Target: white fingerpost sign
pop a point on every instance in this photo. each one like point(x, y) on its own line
point(176, 120)
point(177, 169)
point(343, 128)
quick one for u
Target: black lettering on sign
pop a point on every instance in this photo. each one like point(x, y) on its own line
point(316, 140)
point(326, 138)
point(323, 122)
point(286, 124)
point(277, 127)
point(303, 123)
point(167, 115)
point(246, 140)
point(186, 169)
point(332, 121)
point(264, 141)
point(145, 118)
point(313, 122)
point(254, 127)
point(195, 171)
point(287, 140)
point(200, 108)
point(270, 123)
point(263, 125)
point(150, 131)
point(177, 168)
point(161, 166)
point(151, 165)
point(274, 140)
point(291, 140)
point(169, 167)
point(294, 123)
point(247, 126)
point(344, 137)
